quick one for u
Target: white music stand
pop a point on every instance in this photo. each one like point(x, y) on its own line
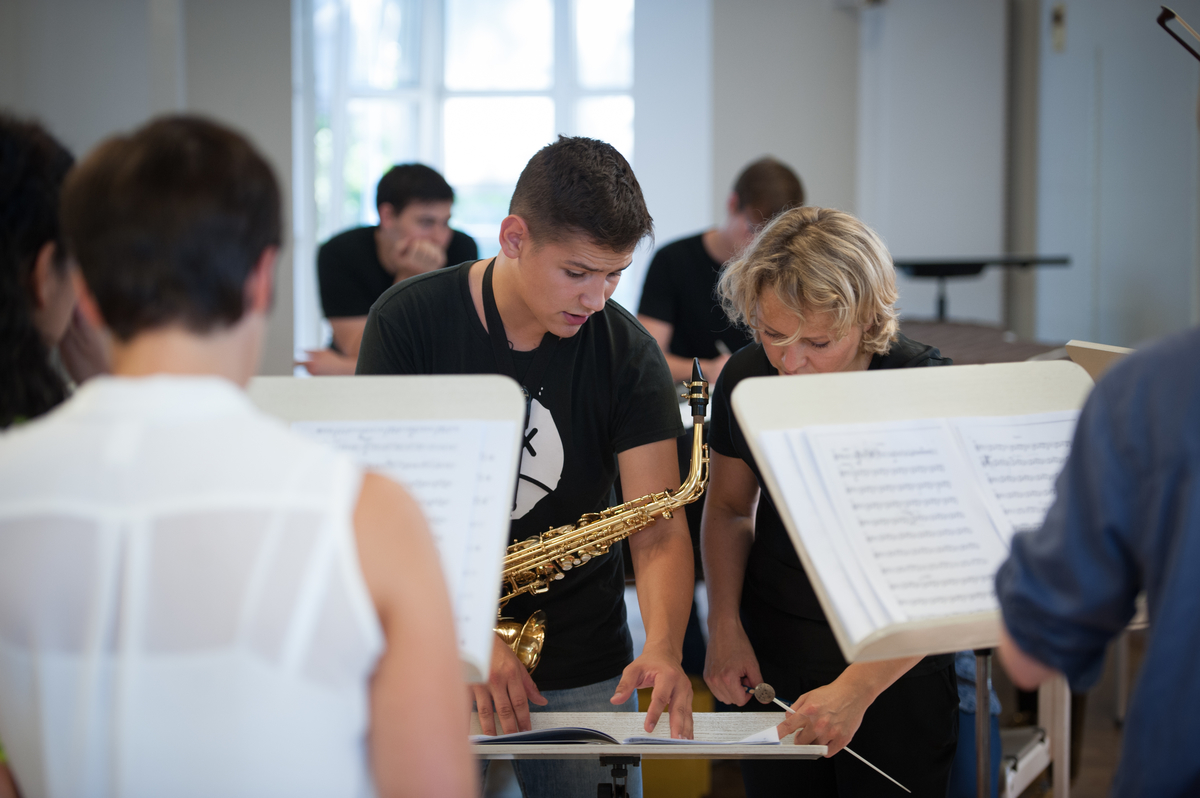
point(773, 403)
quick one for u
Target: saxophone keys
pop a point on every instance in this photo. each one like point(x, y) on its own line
point(666, 514)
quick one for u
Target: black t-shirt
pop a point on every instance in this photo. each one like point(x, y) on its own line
point(352, 277)
point(680, 289)
point(774, 575)
point(606, 390)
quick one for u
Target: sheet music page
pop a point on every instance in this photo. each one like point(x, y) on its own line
point(1017, 460)
point(453, 469)
point(856, 604)
point(906, 503)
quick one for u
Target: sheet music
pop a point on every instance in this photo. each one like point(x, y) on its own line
point(910, 519)
point(904, 499)
point(1018, 459)
point(452, 469)
point(857, 606)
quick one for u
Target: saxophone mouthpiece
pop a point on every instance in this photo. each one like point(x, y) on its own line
point(697, 394)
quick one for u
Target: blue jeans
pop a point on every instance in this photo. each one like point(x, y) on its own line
point(574, 778)
point(962, 772)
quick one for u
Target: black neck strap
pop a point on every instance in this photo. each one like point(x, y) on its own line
point(503, 351)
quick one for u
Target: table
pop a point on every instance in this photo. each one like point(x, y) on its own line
point(942, 268)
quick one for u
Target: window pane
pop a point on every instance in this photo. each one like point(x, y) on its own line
point(499, 44)
point(608, 119)
point(325, 52)
point(380, 134)
point(484, 160)
point(604, 43)
point(383, 52)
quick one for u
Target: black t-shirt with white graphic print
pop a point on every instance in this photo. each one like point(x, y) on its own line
point(606, 390)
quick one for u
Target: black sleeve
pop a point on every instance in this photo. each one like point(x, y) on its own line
point(658, 292)
point(647, 409)
point(462, 248)
point(388, 346)
point(722, 423)
point(344, 292)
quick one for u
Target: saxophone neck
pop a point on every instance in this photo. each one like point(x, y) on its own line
point(697, 397)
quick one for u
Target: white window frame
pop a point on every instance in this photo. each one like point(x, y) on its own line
point(311, 331)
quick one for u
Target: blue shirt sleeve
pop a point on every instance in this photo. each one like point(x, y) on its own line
point(1069, 587)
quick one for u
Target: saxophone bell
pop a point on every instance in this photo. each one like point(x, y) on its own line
point(526, 639)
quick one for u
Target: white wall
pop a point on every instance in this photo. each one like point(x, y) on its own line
point(785, 78)
point(89, 70)
point(82, 68)
point(1118, 182)
point(672, 123)
point(932, 140)
point(239, 70)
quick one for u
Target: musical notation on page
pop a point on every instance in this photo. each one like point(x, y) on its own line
point(909, 520)
point(901, 496)
point(449, 467)
point(1018, 461)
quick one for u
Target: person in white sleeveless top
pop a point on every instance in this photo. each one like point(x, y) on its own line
point(193, 600)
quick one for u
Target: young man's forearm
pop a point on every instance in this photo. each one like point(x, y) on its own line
point(665, 575)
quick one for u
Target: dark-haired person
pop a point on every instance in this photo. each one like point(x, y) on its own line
point(354, 267)
point(206, 603)
point(37, 295)
point(679, 306)
point(818, 289)
point(600, 396)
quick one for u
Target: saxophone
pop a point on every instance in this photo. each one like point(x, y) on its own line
point(532, 564)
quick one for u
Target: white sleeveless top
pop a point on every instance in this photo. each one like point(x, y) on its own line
point(182, 610)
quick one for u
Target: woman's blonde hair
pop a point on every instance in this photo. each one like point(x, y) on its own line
point(816, 260)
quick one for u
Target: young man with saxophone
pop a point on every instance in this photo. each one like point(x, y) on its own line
point(600, 396)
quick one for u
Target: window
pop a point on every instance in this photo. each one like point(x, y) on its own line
point(470, 87)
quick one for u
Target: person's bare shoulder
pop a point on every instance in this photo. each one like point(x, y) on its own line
point(394, 546)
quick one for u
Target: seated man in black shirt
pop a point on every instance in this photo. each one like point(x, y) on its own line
point(679, 307)
point(600, 396)
point(354, 267)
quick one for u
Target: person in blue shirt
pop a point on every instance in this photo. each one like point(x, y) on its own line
point(1126, 519)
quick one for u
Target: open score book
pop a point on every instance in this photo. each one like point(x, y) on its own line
point(901, 523)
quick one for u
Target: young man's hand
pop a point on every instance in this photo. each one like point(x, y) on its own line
point(507, 694)
point(412, 256)
point(323, 362)
point(671, 687)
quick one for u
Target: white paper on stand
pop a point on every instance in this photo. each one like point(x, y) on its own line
point(452, 469)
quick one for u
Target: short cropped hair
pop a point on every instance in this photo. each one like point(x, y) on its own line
point(816, 260)
point(407, 183)
point(767, 188)
point(168, 223)
point(580, 186)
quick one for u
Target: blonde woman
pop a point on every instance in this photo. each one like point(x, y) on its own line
point(817, 289)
